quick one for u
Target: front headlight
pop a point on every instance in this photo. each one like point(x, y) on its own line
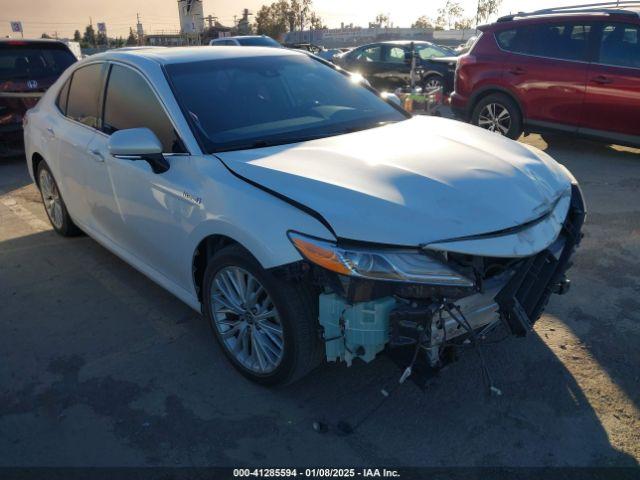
point(392, 265)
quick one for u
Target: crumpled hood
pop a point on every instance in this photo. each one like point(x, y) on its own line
point(411, 183)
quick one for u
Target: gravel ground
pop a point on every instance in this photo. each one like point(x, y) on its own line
point(101, 367)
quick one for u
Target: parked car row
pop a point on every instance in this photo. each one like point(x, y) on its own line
point(27, 69)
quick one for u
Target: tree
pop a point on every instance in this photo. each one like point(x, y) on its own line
point(487, 8)
point(131, 39)
point(449, 14)
point(464, 24)
point(76, 36)
point(285, 16)
point(271, 20)
point(382, 20)
point(89, 37)
point(422, 22)
point(45, 35)
point(315, 22)
point(101, 39)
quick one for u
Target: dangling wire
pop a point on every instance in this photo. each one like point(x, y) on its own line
point(464, 323)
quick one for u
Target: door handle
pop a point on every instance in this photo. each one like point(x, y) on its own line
point(517, 71)
point(97, 155)
point(51, 132)
point(602, 80)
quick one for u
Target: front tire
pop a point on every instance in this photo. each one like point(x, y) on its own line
point(432, 82)
point(266, 326)
point(498, 113)
point(54, 204)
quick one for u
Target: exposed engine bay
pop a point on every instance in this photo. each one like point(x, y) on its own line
point(359, 317)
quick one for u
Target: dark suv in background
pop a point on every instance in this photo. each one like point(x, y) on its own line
point(570, 69)
point(27, 69)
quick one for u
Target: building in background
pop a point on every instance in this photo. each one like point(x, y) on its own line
point(191, 16)
point(350, 36)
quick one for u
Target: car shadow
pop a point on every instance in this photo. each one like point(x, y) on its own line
point(92, 343)
point(14, 173)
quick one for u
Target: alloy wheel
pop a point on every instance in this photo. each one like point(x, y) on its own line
point(432, 84)
point(246, 319)
point(495, 118)
point(51, 198)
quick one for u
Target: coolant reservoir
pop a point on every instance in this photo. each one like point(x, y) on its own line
point(354, 331)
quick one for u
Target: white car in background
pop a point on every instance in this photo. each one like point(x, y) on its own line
point(245, 41)
point(301, 213)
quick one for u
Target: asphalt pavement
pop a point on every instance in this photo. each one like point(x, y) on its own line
point(101, 367)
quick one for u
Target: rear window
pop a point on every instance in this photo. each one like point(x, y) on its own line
point(258, 42)
point(620, 45)
point(31, 61)
point(84, 94)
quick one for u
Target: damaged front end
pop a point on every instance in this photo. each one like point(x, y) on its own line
point(429, 299)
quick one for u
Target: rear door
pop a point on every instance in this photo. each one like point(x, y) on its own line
point(81, 106)
point(394, 72)
point(612, 104)
point(546, 65)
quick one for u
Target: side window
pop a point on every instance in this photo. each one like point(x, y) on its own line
point(63, 95)
point(130, 103)
point(396, 55)
point(371, 54)
point(561, 41)
point(84, 94)
point(515, 40)
point(620, 45)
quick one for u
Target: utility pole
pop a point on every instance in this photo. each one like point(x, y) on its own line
point(140, 31)
point(210, 19)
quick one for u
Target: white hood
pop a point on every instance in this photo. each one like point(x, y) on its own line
point(412, 183)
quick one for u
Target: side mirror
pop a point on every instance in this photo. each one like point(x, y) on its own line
point(139, 144)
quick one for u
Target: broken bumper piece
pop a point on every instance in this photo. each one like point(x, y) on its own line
point(516, 297)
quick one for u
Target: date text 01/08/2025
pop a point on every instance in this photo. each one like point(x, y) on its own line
point(315, 473)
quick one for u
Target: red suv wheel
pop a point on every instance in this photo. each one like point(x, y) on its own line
point(498, 113)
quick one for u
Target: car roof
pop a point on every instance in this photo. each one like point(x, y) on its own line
point(240, 36)
point(171, 55)
point(510, 21)
point(31, 41)
point(395, 42)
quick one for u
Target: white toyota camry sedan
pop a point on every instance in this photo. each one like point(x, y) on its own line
point(307, 217)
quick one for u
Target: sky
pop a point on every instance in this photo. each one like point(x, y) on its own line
point(65, 16)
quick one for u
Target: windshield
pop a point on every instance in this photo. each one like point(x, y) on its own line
point(252, 102)
point(258, 42)
point(430, 51)
point(32, 62)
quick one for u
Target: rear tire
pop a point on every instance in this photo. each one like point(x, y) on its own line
point(500, 114)
point(278, 349)
point(54, 204)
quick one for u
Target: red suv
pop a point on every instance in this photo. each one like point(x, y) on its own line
point(571, 69)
